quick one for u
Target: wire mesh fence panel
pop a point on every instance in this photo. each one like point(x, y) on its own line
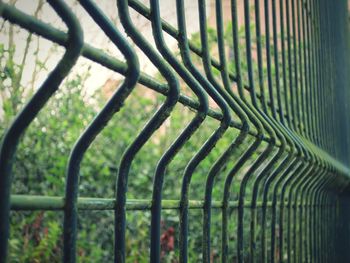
point(224, 138)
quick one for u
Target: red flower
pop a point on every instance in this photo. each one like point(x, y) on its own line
point(167, 240)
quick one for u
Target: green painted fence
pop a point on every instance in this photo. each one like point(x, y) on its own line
point(286, 94)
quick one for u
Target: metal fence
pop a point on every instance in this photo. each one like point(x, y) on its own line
point(286, 94)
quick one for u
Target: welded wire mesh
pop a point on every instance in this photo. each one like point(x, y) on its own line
point(271, 75)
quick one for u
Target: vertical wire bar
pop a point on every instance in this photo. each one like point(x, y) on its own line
point(333, 84)
point(290, 76)
point(329, 78)
point(12, 135)
point(276, 61)
point(158, 118)
point(311, 57)
point(264, 208)
point(316, 227)
point(327, 245)
point(242, 192)
point(300, 209)
point(318, 179)
point(322, 73)
point(240, 249)
point(266, 172)
point(328, 97)
point(252, 148)
point(291, 181)
point(242, 135)
point(291, 213)
point(175, 147)
point(328, 70)
point(312, 70)
point(335, 228)
point(315, 33)
point(271, 132)
point(300, 186)
point(267, 150)
point(333, 102)
point(306, 72)
point(285, 163)
point(305, 189)
point(299, 195)
point(324, 78)
point(312, 215)
point(329, 237)
point(317, 76)
point(282, 46)
point(270, 179)
point(283, 53)
point(288, 159)
point(268, 58)
point(248, 51)
point(294, 195)
point(323, 226)
point(195, 124)
point(256, 184)
point(204, 150)
point(320, 226)
point(298, 173)
point(302, 73)
point(301, 168)
point(322, 18)
point(227, 86)
point(320, 76)
point(228, 181)
point(328, 242)
point(330, 230)
point(222, 103)
point(307, 207)
point(259, 56)
point(308, 65)
point(318, 222)
point(302, 189)
point(275, 188)
point(259, 121)
point(95, 127)
point(295, 67)
point(294, 164)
